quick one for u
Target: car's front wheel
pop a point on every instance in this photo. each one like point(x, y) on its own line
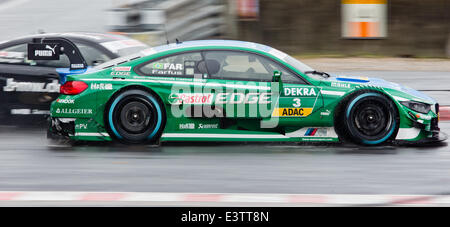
point(136, 117)
point(370, 118)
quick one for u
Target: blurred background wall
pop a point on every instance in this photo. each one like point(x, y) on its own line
point(414, 28)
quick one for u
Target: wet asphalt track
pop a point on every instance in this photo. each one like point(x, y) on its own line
point(27, 163)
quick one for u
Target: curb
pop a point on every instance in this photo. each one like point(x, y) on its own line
point(444, 113)
point(224, 198)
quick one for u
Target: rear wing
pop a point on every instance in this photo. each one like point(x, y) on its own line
point(50, 48)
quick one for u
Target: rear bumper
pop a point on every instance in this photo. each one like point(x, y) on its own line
point(60, 128)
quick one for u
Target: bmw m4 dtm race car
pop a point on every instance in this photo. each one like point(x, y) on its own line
point(30, 78)
point(220, 90)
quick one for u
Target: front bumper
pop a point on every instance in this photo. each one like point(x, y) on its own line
point(435, 140)
point(421, 128)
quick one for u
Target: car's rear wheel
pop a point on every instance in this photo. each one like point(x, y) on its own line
point(370, 118)
point(136, 117)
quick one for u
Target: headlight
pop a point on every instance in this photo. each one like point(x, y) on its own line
point(417, 106)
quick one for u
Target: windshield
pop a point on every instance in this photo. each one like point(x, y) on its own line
point(302, 67)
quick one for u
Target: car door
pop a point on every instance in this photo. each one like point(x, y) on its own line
point(26, 87)
point(240, 82)
point(298, 99)
point(247, 84)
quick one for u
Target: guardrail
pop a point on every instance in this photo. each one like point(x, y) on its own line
point(156, 21)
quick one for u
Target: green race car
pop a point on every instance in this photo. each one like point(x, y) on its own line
point(218, 90)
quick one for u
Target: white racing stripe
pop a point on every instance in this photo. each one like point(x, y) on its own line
point(104, 134)
point(338, 93)
point(186, 83)
point(236, 136)
point(400, 99)
point(407, 133)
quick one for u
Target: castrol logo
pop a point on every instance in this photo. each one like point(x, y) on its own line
point(190, 98)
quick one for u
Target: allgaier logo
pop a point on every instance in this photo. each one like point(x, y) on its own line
point(190, 98)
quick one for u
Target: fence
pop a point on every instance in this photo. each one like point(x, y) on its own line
point(156, 21)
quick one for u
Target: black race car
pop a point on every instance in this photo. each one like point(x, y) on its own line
point(27, 87)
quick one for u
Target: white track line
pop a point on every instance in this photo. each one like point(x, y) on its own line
point(299, 199)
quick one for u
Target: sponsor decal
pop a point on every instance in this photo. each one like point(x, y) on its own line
point(122, 68)
point(101, 86)
point(43, 51)
point(12, 85)
point(208, 126)
point(343, 85)
point(121, 71)
point(66, 101)
point(291, 112)
point(299, 91)
point(29, 112)
point(240, 98)
point(167, 69)
point(317, 139)
point(50, 51)
point(81, 126)
point(313, 132)
point(319, 132)
point(77, 66)
point(190, 98)
point(297, 102)
point(353, 79)
point(73, 111)
point(187, 126)
point(325, 113)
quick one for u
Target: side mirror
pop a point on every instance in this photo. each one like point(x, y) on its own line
point(276, 76)
point(97, 62)
point(277, 79)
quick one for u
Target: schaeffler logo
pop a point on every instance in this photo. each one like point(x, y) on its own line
point(12, 85)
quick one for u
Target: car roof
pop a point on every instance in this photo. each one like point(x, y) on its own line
point(206, 43)
point(196, 43)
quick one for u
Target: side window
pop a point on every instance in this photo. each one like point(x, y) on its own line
point(63, 62)
point(92, 55)
point(237, 65)
point(16, 55)
point(286, 75)
point(187, 64)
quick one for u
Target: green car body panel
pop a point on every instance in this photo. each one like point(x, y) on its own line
point(304, 111)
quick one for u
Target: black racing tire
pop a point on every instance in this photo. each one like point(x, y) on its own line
point(369, 118)
point(135, 117)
